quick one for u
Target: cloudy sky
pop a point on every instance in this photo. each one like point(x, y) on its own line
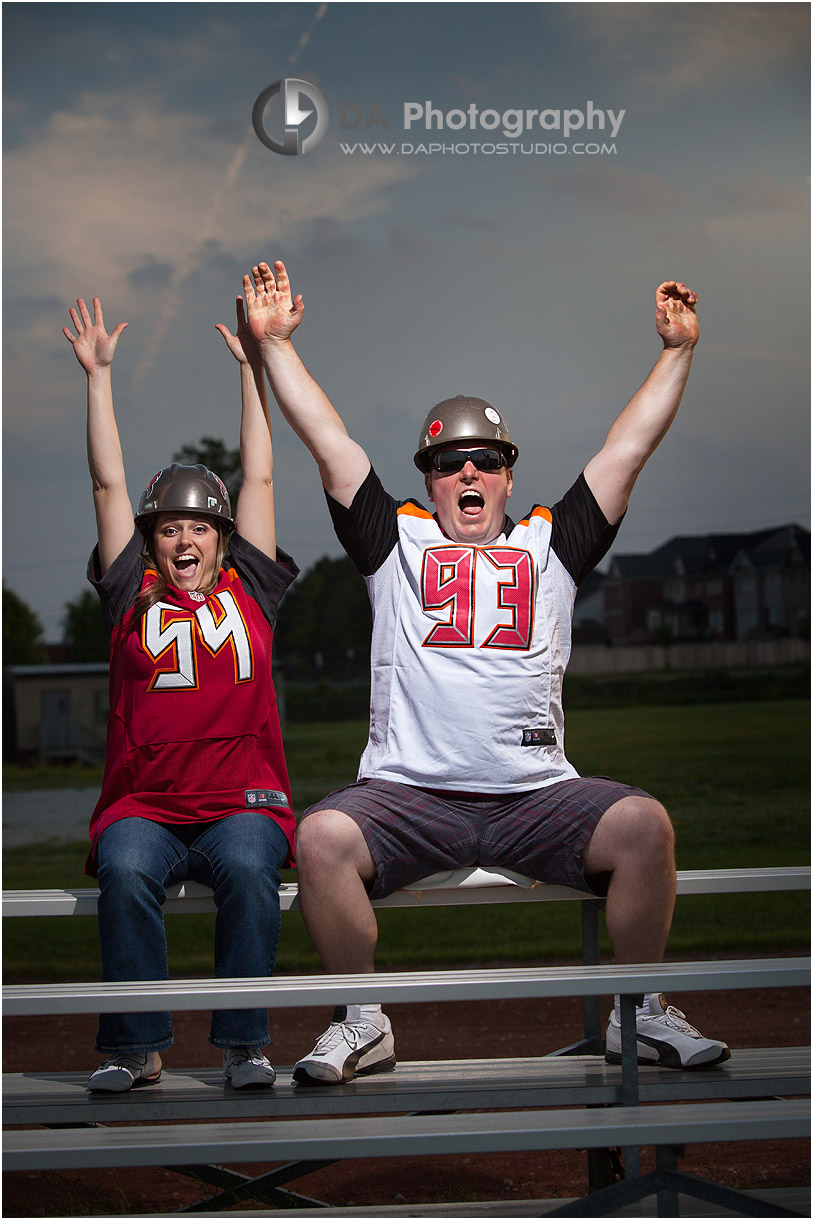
point(518, 267)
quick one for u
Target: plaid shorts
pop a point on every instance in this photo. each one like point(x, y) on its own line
point(413, 832)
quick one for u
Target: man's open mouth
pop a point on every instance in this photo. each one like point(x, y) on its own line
point(470, 503)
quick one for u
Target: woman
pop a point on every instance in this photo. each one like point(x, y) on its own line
point(195, 785)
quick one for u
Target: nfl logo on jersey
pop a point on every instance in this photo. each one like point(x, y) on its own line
point(264, 798)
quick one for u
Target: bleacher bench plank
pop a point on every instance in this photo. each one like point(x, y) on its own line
point(460, 886)
point(473, 1084)
point(794, 1200)
point(405, 1135)
point(296, 991)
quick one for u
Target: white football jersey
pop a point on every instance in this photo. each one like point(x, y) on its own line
point(470, 643)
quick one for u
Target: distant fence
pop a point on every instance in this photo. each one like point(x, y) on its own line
point(722, 654)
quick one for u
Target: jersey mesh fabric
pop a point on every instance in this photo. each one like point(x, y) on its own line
point(204, 765)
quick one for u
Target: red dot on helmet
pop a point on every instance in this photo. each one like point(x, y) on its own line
point(436, 427)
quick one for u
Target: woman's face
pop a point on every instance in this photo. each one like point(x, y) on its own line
point(185, 551)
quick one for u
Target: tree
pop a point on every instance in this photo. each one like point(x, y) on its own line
point(212, 452)
point(83, 629)
point(22, 632)
point(325, 624)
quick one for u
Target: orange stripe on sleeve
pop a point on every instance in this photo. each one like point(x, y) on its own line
point(538, 511)
point(414, 510)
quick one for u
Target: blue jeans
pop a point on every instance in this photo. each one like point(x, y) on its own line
point(239, 857)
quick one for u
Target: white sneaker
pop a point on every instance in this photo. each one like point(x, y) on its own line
point(245, 1069)
point(126, 1071)
point(351, 1046)
point(667, 1038)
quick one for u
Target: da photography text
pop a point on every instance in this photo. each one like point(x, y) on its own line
point(511, 124)
point(291, 116)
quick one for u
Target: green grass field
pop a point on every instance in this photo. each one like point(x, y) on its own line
point(735, 777)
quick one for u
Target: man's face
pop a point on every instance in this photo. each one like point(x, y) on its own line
point(470, 503)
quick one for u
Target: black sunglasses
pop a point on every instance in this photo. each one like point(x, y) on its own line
point(450, 461)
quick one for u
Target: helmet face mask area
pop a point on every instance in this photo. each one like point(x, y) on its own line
point(463, 421)
point(185, 490)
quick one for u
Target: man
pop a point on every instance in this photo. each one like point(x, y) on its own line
point(471, 636)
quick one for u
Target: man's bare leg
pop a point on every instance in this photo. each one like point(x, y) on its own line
point(333, 864)
point(635, 842)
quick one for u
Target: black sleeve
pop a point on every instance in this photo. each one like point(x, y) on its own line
point(368, 529)
point(264, 579)
point(120, 583)
point(582, 535)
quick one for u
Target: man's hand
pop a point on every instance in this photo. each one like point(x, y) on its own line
point(675, 316)
point(243, 345)
point(272, 314)
point(92, 345)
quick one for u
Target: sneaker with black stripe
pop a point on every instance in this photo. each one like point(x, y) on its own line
point(352, 1045)
point(666, 1037)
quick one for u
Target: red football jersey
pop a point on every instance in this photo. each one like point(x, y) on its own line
point(194, 731)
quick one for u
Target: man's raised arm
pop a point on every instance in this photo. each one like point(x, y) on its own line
point(645, 420)
point(273, 316)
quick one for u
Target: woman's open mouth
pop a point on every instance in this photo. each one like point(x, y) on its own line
point(186, 565)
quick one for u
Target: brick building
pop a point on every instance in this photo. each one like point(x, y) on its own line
point(712, 587)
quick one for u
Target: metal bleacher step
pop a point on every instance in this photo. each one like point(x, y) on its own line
point(551, 1080)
